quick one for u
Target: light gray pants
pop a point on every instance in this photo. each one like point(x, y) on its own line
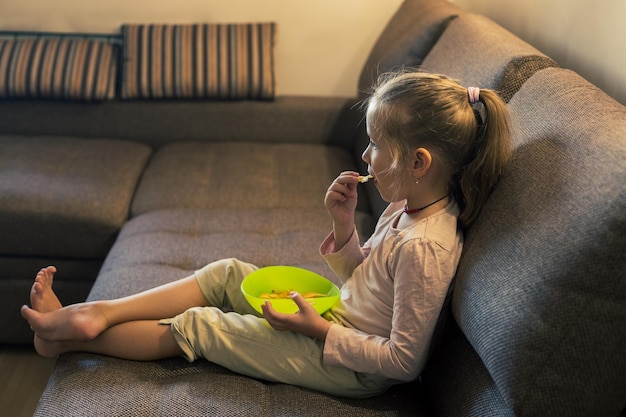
point(230, 333)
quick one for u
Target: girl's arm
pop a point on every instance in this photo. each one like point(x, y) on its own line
point(341, 244)
point(343, 261)
point(340, 201)
point(419, 294)
point(418, 298)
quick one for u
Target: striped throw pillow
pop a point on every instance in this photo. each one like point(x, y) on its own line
point(57, 68)
point(210, 61)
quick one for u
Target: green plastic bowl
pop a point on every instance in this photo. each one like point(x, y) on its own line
point(288, 278)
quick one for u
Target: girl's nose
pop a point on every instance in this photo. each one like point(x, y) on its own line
point(365, 155)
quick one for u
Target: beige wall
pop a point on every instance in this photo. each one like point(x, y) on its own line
point(321, 45)
point(584, 35)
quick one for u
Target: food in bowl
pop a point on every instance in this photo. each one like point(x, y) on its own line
point(275, 283)
point(287, 294)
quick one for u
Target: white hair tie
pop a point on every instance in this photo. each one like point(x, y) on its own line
point(473, 94)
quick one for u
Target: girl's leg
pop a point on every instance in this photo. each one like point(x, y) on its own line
point(135, 340)
point(85, 321)
point(248, 345)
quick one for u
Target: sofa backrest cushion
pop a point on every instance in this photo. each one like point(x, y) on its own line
point(540, 291)
point(65, 197)
point(407, 38)
point(479, 52)
point(216, 61)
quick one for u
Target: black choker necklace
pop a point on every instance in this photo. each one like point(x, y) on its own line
point(407, 210)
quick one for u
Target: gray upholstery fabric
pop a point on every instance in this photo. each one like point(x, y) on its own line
point(62, 201)
point(517, 71)
point(199, 202)
point(100, 166)
point(540, 290)
point(457, 382)
point(163, 245)
point(476, 51)
point(86, 385)
point(285, 119)
point(407, 38)
point(240, 175)
point(62, 196)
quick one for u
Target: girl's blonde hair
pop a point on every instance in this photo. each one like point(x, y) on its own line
point(415, 109)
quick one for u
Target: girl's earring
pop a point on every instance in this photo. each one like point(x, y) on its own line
point(417, 181)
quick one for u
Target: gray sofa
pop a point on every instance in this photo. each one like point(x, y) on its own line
point(126, 195)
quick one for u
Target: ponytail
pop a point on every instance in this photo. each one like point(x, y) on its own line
point(486, 159)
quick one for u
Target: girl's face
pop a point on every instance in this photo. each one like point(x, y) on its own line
point(379, 159)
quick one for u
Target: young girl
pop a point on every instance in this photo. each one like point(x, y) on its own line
point(436, 151)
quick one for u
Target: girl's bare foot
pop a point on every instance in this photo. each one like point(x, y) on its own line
point(50, 321)
point(48, 349)
point(42, 297)
point(77, 322)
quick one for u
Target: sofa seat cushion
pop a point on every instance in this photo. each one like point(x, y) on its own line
point(240, 175)
point(540, 290)
point(65, 197)
point(164, 245)
point(92, 385)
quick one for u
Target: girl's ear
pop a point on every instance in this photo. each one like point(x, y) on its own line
point(422, 159)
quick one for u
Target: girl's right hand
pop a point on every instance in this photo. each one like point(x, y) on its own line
point(341, 198)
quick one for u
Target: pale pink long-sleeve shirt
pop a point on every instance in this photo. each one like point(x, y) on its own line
point(393, 290)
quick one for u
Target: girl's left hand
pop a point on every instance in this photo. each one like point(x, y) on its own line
point(306, 321)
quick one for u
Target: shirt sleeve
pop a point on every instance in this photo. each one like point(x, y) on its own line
point(422, 274)
point(344, 261)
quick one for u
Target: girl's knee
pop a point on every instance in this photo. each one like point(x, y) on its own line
point(220, 282)
point(237, 268)
point(222, 267)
